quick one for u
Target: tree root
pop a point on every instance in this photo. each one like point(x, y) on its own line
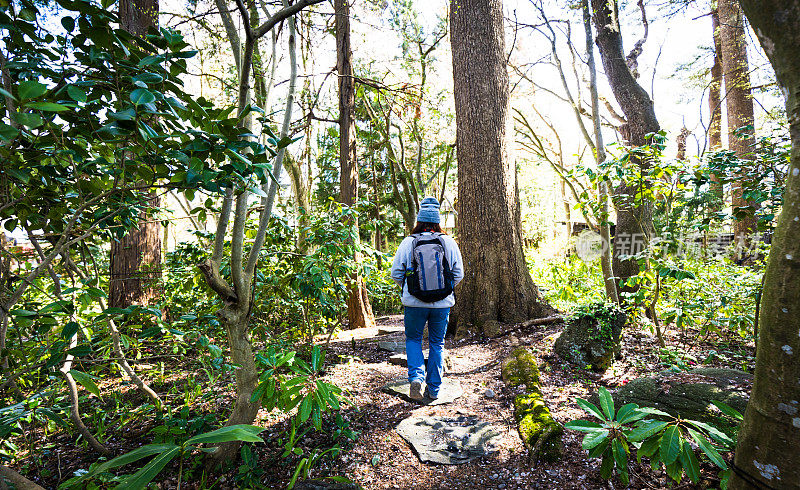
point(19, 481)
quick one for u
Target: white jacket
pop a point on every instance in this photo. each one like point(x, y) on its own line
point(402, 260)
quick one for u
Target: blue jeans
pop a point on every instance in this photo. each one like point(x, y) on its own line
point(415, 319)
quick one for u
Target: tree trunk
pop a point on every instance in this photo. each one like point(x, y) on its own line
point(359, 310)
point(136, 257)
point(235, 321)
point(715, 108)
point(497, 287)
point(739, 103)
point(768, 437)
point(609, 281)
point(634, 221)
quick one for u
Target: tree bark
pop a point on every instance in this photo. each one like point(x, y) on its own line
point(634, 220)
point(768, 437)
point(136, 257)
point(739, 104)
point(715, 107)
point(497, 288)
point(606, 260)
point(359, 309)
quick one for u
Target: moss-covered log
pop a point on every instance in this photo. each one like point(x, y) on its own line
point(537, 428)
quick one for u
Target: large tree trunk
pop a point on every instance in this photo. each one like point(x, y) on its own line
point(359, 309)
point(136, 257)
point(634, 221)
point(715, 106)
point(770, 434)
point(739, 104)
point(497, 287)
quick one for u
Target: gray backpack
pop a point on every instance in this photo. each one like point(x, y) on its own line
point(429, 277)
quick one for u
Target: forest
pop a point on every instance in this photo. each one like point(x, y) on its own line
point(204, 205)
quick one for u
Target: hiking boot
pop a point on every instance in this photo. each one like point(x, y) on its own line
point(416, 390)
point(429, 396)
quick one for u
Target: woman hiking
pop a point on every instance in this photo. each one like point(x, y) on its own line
point(427, 266)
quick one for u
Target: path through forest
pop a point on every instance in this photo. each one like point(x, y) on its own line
point(381, 458)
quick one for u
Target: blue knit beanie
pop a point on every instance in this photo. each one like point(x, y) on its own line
point(429, 210)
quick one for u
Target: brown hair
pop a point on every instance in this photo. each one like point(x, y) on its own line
point(423, 226)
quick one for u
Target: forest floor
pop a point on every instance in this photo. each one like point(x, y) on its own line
point(381, 459)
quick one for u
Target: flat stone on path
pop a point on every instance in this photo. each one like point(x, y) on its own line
point(392, 345)
point(390, 329)
point(448, 440)
point(401, 359)
point(448, 392)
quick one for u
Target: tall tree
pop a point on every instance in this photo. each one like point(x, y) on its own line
point(715, 102)
point(136, 256)
point(359, 310)
point(739, 104)
point(498, 287)
point(766, 455)
point(634, 220)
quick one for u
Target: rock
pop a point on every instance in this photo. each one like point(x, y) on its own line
point(392, 345)
point(592, 337)
point(489, 393)
point(324, 484)
point(540, 433)
point(448, 440)
point(401, 359)
point(448, 392)
point(390, 329)
point(689, 394)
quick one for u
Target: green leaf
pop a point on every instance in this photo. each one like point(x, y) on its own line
point(30, 89)
point(592, 409)
point(76, 93)
point(646, 429)
point(728, 410)
point(592, 439)
point(68, 23)
point(629, 413)
point(305, 408)
point(655, 411)
point(245, 433)
point(671, 443)
point(7, 133)
point(131, 457)
point(6, 93)
point(621, 459)
point(148, 77)
point(607, 403)
point(607, 466)
point(690, 464)
point(85, 380)
point(142, 96)
point(648, 448)
point(28, 119)
point(141, 478)
point(582, 425)
point(601, 448)
point(708, 449)
point(715, 433)
point(46, 106)
point(675, 470)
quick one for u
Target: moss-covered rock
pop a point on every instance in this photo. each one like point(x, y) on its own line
point(592, 337)
point(689, 394)
point(537, 428)
point(520, 368)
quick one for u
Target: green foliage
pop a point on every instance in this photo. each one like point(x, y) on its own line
point(656, 435)
point(162, 454)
